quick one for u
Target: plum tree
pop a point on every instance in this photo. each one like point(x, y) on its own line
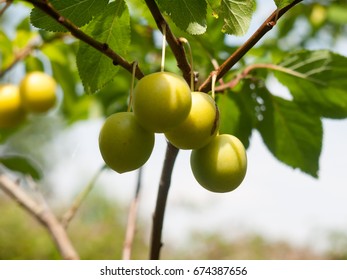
point(100, 48)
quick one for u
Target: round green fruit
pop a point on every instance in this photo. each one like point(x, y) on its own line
point(221, 165)
point(201, 125)
point(38, 92)
point(161, 101)
point(11, 110)
point(124, 144)
point(318, 15)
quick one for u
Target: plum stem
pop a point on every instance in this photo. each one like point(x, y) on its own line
point(162, 65)
point(132, 86)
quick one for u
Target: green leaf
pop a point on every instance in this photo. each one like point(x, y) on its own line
point(75, 105)
point(337, 13)
point(292, 134)
point(214, 4)
point(317, 81)
point(5, 133)
point(283, 3)
point(237, 15)
point(236, 111)
point(33, 63)
point(21, 164)
point(79, 12)
point(188, 15)
point(23, 34)
point(141, 14)
point(113, 29)
point(6, 51)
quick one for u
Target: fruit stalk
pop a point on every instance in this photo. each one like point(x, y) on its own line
point(164, 186)
point(173, 42)
point(163, 49)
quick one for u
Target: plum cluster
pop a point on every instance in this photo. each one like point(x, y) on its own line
point(36, 93)
point(163, 103)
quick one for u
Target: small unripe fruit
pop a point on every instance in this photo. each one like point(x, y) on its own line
point(221, 165)
point(318, 15)
point(38, 92)
point(11, 110)
point(161, 101)
point(124, 144)
point(201, 125)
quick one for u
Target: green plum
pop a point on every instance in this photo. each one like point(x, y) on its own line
point(161, 101)
point(201, 125)
point(124, 144)
point(221, 165)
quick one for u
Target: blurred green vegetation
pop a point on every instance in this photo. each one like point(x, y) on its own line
point(249, 247)
point(98, 231)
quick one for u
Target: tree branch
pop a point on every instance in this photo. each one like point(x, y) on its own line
point(164, 186)
point(268, 24)
point(34, 44)
point(252, 67)
point(7, 5)
point(174, 43)
point(23, 53)
point(43, 214)
point(171, 152)
point(131, 225)
point(47, 8)
point(71, 212)
point(234, 82)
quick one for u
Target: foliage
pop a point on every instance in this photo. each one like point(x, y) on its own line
point(21, 164)
point(79, 12)
point(89, 48)
point(314, 78)
point(249, 247)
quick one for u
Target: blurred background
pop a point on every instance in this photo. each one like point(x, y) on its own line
point(277, 212)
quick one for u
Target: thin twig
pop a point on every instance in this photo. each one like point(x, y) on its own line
point(131, 225)
point(20, 55)
point(33, 44)
point(7, 5)
point(38, 196)
point(71, 212)
point(43, 214)
point(48, 8)
point(235, 81)
point(268, 24)
point(164, 186)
